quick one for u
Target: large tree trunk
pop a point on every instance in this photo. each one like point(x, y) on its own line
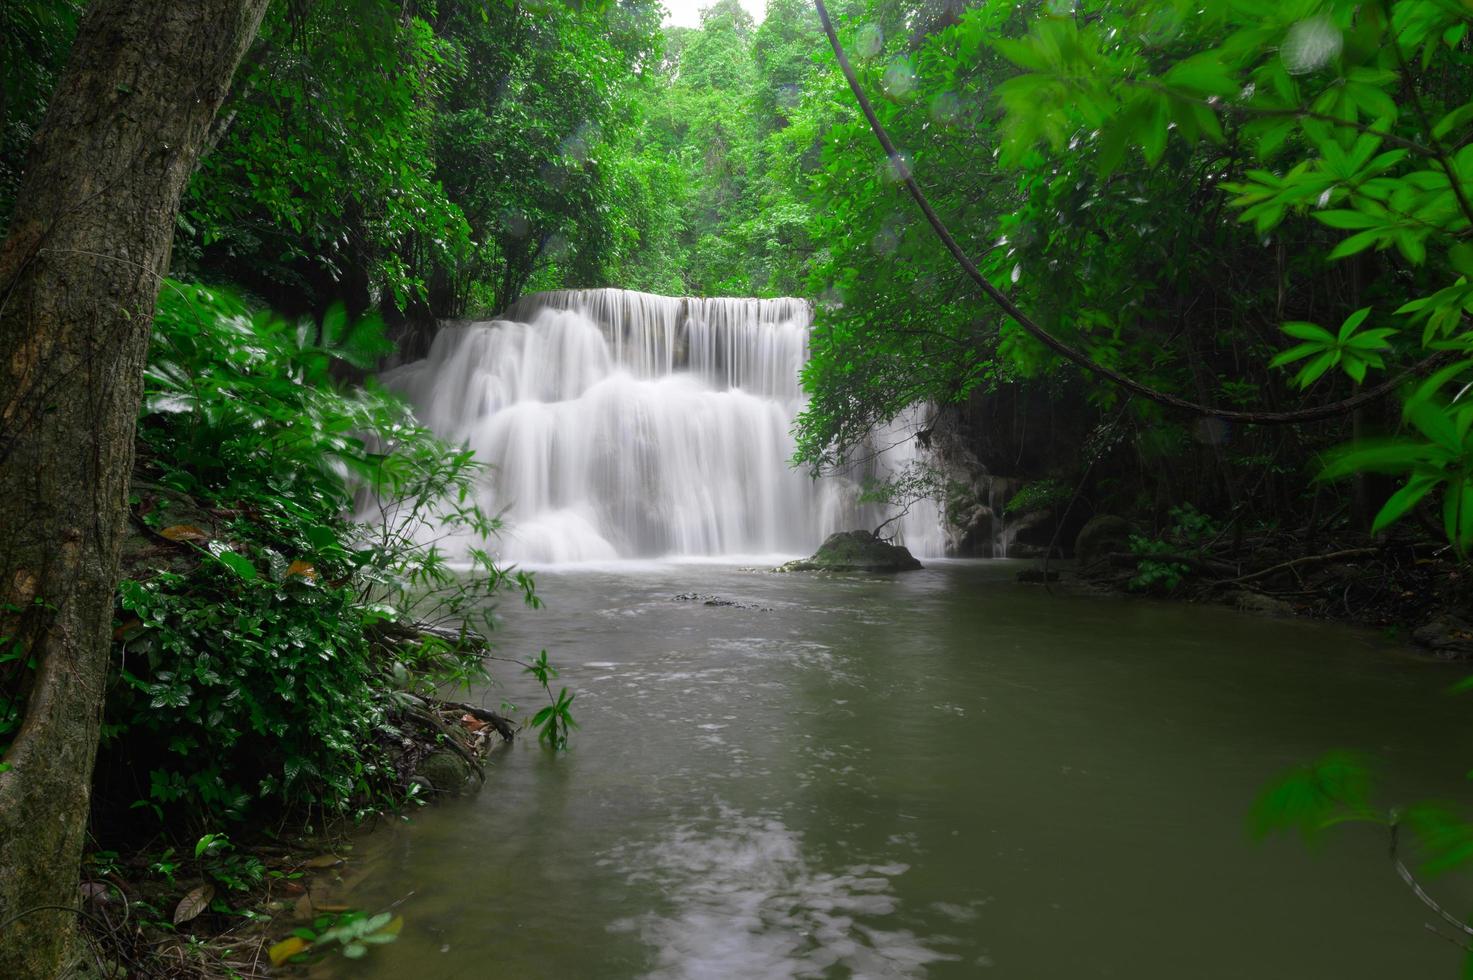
point(79, 273)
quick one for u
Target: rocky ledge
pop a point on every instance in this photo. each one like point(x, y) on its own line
point(855, 551)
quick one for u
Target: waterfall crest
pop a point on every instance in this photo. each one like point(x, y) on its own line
point(619, 424)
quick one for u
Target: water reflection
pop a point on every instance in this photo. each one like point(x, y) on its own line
point(741, 898)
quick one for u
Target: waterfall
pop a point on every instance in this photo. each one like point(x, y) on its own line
point(618, 424)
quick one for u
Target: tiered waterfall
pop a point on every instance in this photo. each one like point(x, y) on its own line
point(619, 424)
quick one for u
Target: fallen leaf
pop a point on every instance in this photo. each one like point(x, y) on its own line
point(286, 949)
point(184, 532)
point(472, 723)
point(302, 568)
point(193, 903)
point(324, 861)
point(95, 891)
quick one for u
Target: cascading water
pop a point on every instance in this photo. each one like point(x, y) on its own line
point(619, 424)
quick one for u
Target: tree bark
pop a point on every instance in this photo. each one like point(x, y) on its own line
point(79, 274)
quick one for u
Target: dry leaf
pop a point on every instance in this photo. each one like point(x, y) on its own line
point(472, 723)
point(324, 861)
point(302, 568)
point(286, 949)
point(184, 532)
point(193, 903)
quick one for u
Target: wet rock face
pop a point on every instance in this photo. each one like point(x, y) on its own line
point(855, 551)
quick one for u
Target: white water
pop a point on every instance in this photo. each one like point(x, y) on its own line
point(625, 425)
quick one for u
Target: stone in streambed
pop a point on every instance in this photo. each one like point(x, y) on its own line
point(855, 551)
point(1447, 636)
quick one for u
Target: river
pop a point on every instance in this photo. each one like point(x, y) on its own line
point(941, 774)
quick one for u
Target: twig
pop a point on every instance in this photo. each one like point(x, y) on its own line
point(1307, 560)
point(1411, 882)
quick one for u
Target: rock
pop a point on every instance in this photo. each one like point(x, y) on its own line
point(1029, 533)
point(855, 551)
point(1448, 636)
point(447, 772)
point(707, 599)
point(969, 528)
point(1101, 536)
point(1267, 605)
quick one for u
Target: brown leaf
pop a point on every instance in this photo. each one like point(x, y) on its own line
point(22, 587)
point(302, 568)
point(286, 949)
point(184, 532)
point(126, 627)
point(472, 723)
point(324, 861)
point(193, 903)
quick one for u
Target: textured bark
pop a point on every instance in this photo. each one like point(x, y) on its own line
point(79, 273)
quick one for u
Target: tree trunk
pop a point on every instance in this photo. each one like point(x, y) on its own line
point(79, 273)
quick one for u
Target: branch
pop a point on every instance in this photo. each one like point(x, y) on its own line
point(1332, 410)
point(1307, 560)
point(1405, 874)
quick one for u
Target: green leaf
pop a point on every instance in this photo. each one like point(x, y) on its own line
point(1351, 322)
point(1348, 219)
point(1295, 353)
point(239, 564)
point(1309, 331)
point(1378, 456)
point(1402, 501)
point(1355, 244)
point(1316, 368)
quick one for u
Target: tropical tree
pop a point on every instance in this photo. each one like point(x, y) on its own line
point(80, 268)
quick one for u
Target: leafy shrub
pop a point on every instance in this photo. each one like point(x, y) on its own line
point(261, 667)
point(1190, 530)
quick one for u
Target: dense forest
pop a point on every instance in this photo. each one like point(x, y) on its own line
point(1181, 293)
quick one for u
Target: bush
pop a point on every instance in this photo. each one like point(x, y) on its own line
point(256, 665)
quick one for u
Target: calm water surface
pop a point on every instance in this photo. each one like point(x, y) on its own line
point(944, 774)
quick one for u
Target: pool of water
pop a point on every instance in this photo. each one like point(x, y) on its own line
point(941, 774)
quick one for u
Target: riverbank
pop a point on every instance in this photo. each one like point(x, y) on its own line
point(1407, 587)
point(245, 905)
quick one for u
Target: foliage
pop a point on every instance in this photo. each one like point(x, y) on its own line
point(34, 40)
point(255, 673)
point(1353, 116)
point(1190, 530)
point(423, 159)
point(1038, 495)
point(718, 180)
point(351, 932)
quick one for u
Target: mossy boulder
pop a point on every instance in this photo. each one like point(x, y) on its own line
point(855, 551)
point(447, 772)
point(1100, 537)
